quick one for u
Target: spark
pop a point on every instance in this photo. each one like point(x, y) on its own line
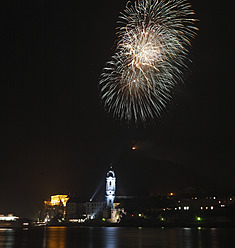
point(151, 54)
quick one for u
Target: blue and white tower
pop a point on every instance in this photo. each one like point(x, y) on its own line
point(110, 187)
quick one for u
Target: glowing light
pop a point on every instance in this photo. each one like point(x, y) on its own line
point(151, 54)
point(9, 217)
point(46, 219)
point(56, 200)
point(198, 218)
point(76, 220)
point(133, 148)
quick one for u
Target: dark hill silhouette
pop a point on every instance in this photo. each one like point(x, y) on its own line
point(137, 174)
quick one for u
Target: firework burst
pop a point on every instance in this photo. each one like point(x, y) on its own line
point(152, 49)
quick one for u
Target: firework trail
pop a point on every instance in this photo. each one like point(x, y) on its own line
point(152, 49)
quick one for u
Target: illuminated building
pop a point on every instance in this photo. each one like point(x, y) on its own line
point(57, 200)
point(110, 188)
point(112, 213)
point(78, 210)
point(94, 209)
point(53, 210)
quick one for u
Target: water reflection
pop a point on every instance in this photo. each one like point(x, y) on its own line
point(187, 237)
point(111, 237)
point(90, 238)
point(199, 237)
point(214, 242)
point(55, 237)
point(117, 237)
point(7, 237)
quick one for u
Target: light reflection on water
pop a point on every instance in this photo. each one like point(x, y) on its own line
point(56, 237)
point(116, 237)
point(7, 236)
point(111, 237)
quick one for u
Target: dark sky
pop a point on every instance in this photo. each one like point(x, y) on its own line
point(55, 135)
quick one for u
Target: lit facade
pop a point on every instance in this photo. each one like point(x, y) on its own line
point(79, 212)
point(54, 209)
point(56, 200)
point(93, 209)
point(110, 188)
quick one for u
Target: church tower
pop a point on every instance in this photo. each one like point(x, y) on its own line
point(110, 187)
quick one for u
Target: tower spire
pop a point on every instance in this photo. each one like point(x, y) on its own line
point(110, 187)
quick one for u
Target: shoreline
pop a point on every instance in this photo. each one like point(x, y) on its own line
point(205, 225)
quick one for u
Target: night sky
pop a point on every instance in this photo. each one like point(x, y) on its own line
point(56, 136)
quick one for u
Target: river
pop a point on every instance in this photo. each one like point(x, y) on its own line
point(115, 237)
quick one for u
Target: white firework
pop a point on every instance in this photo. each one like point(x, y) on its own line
point(152, 48)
